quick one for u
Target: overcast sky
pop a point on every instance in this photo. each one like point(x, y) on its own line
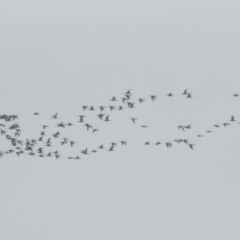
point(58, 55)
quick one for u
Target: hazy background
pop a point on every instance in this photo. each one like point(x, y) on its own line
point(58, 55)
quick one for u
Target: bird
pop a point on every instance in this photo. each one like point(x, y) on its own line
point(102, 108)
point(61, 125)
point(85, 151)
point(124, 100)
point(168, 144)
point(141, 100)
point(113, 99)
point(128, 92)
point(81, 118)
point(55, 116)
point(133, 119)
point(181, 127)
point(88, 126)
point(111, 148)
point(84, 107)
point(153, 97)
point(113, 144)
point(232, 119)
point(72, 143)
point(100, 115)
point(107, 118)
point(191, 145)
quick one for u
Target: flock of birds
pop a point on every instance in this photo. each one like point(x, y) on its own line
point(41, 146)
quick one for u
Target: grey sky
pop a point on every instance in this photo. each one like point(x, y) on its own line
point(58, 55)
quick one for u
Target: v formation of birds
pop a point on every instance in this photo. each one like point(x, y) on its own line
point(41, 147)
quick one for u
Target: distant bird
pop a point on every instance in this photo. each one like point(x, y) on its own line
point(144, 126)
point(61, 125)
point(55, 116)
point(232, 119)
point(128, 92)
point(101, 116)
point(113, 99)
point(84, 151)
point(113, 144)
point(133, 119)
point(158, 143)
point(153, 97)
point(235, 95)
point(124, 99)
point(81, 118)
point(94, 130)
point(141, 100)
point(170, 95)
point(191, 145)
point(128, 96)
point(88, 126)
point(185, 92)
point(36, 113)
point(102, 108)
point(226, 124)
point(168, 144)
point(111, 148)
point(107, 118)
point(189, 95)
point(181, 127)
point(84, 107)
point(123, 142)
point(130, 105)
